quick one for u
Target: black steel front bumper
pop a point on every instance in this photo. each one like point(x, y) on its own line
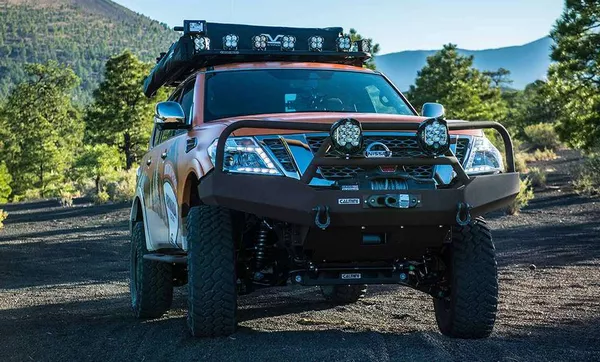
point(295, 201)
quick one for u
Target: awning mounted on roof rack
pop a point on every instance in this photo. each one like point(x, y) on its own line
point(208, 44)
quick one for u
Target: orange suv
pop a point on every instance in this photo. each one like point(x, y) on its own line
point(280, 159)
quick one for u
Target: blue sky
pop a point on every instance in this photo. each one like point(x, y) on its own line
point(396, 24)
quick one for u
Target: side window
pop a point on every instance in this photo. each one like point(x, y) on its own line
point(187, 100)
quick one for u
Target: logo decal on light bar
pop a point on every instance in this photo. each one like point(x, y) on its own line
point(273, 41)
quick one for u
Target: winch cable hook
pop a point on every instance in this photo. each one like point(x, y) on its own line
point(319, 210)
point(463, 214)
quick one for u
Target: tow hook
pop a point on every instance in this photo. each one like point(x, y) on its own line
point(322, 212)
point(463, 214)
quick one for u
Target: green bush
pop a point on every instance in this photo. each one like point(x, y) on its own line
point(542, 135)
point(123, 188)
point(523, 198)
point(5, 180)
point(537, 176)
point(3, 216)
point(587, 178)
point(101, 198)
point(521, 162)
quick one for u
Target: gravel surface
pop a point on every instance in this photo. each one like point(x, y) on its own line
point(64, 296)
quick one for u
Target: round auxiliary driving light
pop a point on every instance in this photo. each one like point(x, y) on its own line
point(347, 136)
point(433, 136)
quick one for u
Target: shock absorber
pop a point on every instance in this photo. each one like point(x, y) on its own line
point(261, 246)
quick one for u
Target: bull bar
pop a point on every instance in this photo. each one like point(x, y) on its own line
point(295, 201)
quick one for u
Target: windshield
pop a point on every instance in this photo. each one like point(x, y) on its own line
point(250, 92)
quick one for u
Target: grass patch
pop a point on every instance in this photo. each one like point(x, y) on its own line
point(587, 177)
point(542, 136)
point(537, 176)
point(525, 195)
point(3, 216)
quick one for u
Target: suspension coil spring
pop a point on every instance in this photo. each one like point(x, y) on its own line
point(261, 246)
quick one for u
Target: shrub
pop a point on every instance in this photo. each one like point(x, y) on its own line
point(542, 135)
point(537, 176)
point(521, 162)
point(3, 216)
point(123, 189)
point(101, 197)
point(523, 198)
point(587, 177)
point(5, 180)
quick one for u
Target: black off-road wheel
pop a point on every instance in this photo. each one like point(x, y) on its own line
point(344, 294)
point(212, 289)
point(151, 282)
point(470, 309)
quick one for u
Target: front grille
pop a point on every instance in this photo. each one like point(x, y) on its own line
point(462, 146)
point(401, 146)
point(281, 153)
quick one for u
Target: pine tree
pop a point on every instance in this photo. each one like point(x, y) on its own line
point(574, 78)
point(42, 129)
point(121, 115)
point(450, 79)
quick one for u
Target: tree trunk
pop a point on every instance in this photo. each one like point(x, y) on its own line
point(127, 150)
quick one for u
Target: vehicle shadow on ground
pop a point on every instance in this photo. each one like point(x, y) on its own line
point(547, 245)
point(110, 333)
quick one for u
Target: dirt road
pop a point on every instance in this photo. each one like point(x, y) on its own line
point(64, 297)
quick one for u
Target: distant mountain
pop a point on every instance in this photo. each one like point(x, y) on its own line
point(80, 33)
point(526, 63)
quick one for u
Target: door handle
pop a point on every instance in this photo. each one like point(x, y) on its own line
point(163, 155)
point(149, 162)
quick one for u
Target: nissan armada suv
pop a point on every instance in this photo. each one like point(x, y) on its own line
point(279, 158)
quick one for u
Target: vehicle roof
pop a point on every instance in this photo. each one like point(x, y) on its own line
point(290, 65)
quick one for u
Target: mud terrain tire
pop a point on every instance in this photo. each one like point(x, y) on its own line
point(470, 310)
point(212, 299)
point(151, 282)
point(344, 294)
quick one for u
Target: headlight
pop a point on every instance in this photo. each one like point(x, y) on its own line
point(347, 136)
point(244, 155)
point(484, 158)
point(433, 137)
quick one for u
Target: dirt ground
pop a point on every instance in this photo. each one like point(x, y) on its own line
point(64, 296)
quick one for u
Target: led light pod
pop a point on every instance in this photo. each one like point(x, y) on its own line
point(365, 45)
point(344, 43)
point(259, 42)
point(288, 42)
point(315, 43)
point(230, 42)
point(201, 43)
point(347, 136)
point(433, 136)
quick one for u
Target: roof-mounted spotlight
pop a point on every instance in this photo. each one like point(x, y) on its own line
point(347, 136)
point(344, 43)
point(315, 43)
point(288, 42)
point(230, 42)
point(365, 45)
point(259, 42)
point(201, 43)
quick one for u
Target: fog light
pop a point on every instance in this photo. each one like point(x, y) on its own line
point(288, 42)
point(344, 43)
point(315, 43)
point(433, 137)
point(259, 42)
point(230, 42)
point(347, 136)
point(201, 43)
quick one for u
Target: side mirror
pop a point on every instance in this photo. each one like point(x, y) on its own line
point(433, 110)
point(169, 114)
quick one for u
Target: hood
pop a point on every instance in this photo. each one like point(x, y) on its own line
point(329, 118)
